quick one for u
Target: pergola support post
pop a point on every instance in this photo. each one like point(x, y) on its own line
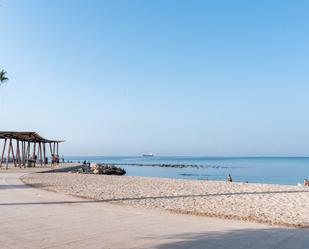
point(18, 153)
point(54, 149)
point(34, 147)
point(13, 155)
point(8, 155)
point(2, 156)
point(40, 150)
point(23, 148)
point(28, 152)
point(44, 153)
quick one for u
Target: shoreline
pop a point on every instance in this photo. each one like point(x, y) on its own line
point(241, 172)
point(282, 205)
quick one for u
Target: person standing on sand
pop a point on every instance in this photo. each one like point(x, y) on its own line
point(229, 178)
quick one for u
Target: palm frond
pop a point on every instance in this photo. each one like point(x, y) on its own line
point(3, 77)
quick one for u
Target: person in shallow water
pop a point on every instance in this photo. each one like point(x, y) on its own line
point(229, 178)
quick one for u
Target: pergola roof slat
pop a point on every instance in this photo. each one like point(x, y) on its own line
point(28, 136)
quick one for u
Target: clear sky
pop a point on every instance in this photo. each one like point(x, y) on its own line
point(170, 77)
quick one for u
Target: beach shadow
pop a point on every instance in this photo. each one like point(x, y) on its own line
point(20, 186)
point(272, 238)
point(138, 198)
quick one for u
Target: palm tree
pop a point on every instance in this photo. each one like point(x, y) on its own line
point(3, 77)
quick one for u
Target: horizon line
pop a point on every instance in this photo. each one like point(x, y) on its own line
point(204, 156)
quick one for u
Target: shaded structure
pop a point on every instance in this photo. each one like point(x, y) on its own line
point(18, 145)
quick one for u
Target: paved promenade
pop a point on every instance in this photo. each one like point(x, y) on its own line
point(33, 218)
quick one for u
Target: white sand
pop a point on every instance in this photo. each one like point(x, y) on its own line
point(273, 204)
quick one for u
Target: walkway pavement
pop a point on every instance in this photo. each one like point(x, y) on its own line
point(34, 218)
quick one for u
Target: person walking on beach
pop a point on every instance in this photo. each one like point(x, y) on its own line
point(229, 178)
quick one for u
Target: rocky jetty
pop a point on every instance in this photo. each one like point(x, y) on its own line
point(173, 165)
point(106, 169)
point(99, 169)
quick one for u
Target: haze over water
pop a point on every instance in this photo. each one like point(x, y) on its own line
point(274, 170)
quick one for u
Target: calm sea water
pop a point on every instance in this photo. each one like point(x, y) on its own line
point(276, 170)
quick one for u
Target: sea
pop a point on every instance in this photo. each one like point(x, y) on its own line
point(272, 170)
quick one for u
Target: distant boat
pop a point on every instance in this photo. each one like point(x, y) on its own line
point(148, 155)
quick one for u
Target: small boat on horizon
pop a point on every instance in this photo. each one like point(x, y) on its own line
point(148, 155)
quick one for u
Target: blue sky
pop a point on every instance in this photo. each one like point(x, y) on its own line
point(168, 77)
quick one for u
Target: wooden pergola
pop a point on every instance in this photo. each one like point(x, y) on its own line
point(23, 143)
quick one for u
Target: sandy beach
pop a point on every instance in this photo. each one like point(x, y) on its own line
point(35, 218)
point(264, 203)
